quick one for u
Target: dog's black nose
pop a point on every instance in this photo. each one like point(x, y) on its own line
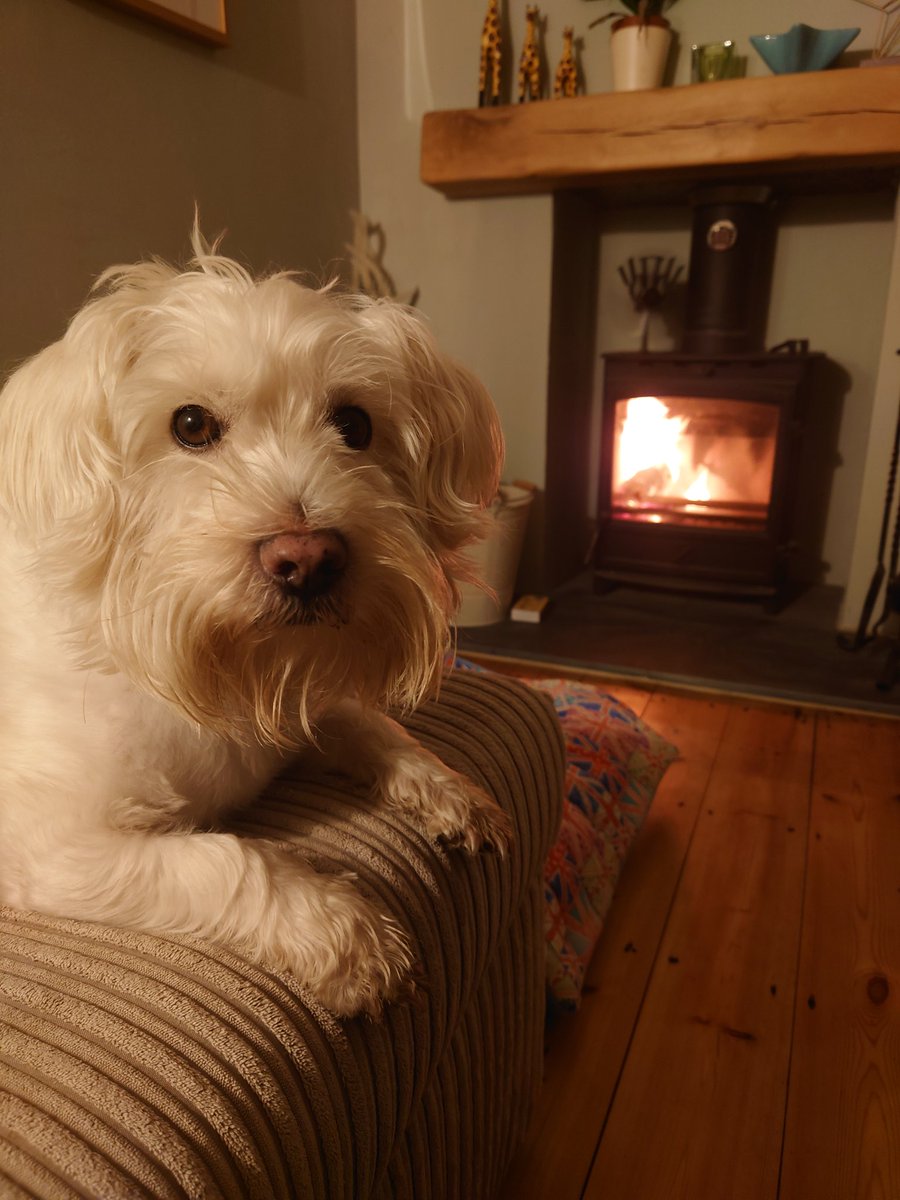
point(307, 563)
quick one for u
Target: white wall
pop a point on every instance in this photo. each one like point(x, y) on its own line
point(483, 266)
point(483, 269)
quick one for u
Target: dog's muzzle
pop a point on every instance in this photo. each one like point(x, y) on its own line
point(305, 563)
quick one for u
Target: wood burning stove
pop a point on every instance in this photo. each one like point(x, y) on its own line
point(698, 468)
point(700, 448)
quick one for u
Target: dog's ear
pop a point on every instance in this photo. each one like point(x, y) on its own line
point(60, 468)
point(454, 432)
point(60, 464)
point(57, 463)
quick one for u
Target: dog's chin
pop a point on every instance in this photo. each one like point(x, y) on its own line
point(289, 611)
point(318, 614)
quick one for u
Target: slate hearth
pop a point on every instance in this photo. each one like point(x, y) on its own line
point(726, 646)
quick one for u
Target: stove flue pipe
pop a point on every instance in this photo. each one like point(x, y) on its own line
point(730, 275)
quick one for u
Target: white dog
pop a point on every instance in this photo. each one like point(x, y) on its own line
point(231, 512)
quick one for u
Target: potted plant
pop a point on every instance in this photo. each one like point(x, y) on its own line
point(640, 41)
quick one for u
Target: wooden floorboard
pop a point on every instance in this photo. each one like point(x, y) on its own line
point(586, 1053)
point(842, 1138)
point(700, 1106)
point(739, 1033)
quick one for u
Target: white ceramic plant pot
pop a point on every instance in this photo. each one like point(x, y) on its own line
point(496, 559)
point(639, 53)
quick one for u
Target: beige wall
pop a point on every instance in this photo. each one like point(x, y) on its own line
point(111, 128)
point(483, 266)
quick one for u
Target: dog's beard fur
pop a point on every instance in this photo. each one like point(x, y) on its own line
point(189, 615)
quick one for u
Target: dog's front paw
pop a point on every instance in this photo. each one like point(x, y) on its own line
point(372, 965)
point(345, 950)
point(452, 808)
point(468, 817)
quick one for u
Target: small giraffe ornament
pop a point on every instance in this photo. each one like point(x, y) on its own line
point(491, 54)
point(530, 84)
point(566, 81)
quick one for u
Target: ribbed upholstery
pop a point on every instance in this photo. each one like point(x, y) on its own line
point(133, 1065)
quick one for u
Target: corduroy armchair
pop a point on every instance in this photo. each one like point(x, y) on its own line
point(133, 1065)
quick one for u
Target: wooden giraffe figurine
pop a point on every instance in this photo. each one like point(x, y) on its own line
point(566, 81)
point(530, 62)
point(491, 53)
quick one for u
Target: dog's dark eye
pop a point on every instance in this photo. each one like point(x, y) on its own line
point(195, 427)
point(354, 425)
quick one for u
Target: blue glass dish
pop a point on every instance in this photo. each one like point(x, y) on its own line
point(802, 48)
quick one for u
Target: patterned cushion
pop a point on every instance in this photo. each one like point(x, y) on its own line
point(614, 763)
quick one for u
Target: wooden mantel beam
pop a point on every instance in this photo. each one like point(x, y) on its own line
point(798, 126)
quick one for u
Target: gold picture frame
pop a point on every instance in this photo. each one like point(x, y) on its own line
point(203, 19)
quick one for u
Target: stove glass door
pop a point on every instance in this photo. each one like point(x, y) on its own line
point(694, 460)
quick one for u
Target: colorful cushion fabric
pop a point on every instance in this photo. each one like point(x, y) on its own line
point(614, 763)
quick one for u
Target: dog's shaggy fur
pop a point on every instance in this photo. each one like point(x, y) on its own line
point(231, 516)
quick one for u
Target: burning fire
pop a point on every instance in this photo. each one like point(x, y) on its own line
point(649, 438)
point(664, 457)
point(699, 489)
